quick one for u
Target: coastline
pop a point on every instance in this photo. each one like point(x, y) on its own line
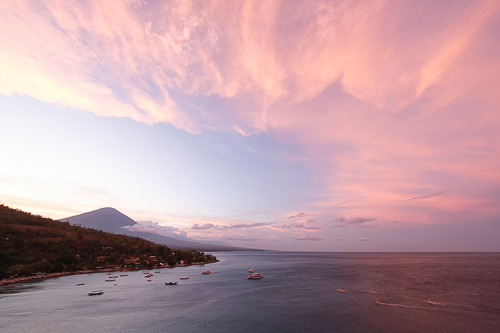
point(32, 278)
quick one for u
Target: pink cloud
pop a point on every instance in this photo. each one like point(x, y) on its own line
point(388, 106)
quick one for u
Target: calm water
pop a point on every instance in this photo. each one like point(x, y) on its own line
point(298, 294)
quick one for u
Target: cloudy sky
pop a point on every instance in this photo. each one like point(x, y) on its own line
point(289, 125)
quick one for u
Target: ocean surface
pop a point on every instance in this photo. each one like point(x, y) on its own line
point(297, 294)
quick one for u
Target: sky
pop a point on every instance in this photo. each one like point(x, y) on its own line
point(281, 125)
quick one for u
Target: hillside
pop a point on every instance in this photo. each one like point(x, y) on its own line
point(111, 220)
point(31, 244)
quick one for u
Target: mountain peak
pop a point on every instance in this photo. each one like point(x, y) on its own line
point(107, 218)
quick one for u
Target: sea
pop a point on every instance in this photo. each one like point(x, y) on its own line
point(299, 293)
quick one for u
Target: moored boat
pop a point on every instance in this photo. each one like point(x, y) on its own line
point(149, 275)
point(171, 283)
point(110, 280)
point(184, 277)
point(255, 276)
point(96, 292)
point(206, 272)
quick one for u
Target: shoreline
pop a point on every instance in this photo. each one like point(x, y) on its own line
point(32, 278)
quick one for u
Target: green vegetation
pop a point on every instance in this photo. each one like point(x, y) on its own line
point(32, 244)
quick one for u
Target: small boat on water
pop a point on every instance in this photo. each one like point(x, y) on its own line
point(157, 272)
point(255, 276)
point(123, 274)
point(96, 292)
point(80, 284)
point(381, 303)
point(149, 275)
point(145, 272)
point(150, 280)
point(171, 283)
point(206, 272)
point(113, 277)
point(373, 291)
point(342, 290)
point(184, 277)
point(110, 280)
point(433, 303)
point(250, 270)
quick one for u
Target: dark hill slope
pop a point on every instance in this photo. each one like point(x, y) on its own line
point(31, 244)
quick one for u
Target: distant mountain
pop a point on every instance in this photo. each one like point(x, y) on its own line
point(106, 219)
point(111, 220)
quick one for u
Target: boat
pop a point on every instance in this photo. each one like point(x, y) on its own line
point(149, 275)
point(342, 290)
point(433, 303)
point(251, 270)
point(150, 280)
point(80, 284)
point(206, 272)
point(373, 291)
point(184, 277)
point(145, 272)
point(171, 283)
point(157, 272)
point(110, 280)
point(113, 277)
point(255, 276)
point(96, 292)
point(123, 274)
point(381, 303)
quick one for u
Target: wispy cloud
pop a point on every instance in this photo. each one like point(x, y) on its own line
point(342, 222)
point(231, 226)
point(156, 228)
point(298, 216)
point(427, 196)
point(308, 238)
point(204, 226)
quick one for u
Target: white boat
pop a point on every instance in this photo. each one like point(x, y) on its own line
point(373, 291)
point(206, 272)
point(251, 270)
point(255, 276)
point(149, 275)
point(184, 277)
point(96, 292)
point(433, 303)
point(342, 290)
point(381, 303)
